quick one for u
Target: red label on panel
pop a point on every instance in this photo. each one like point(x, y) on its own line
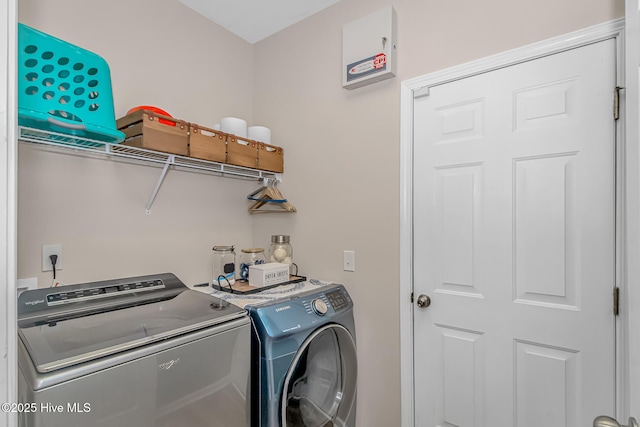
point(379, 60)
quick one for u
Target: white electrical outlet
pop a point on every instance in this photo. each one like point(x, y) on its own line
point(349, 261)
point(28, 284)
point(47, 251)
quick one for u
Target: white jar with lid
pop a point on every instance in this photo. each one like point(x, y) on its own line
point(224, 266)
point(281, 251)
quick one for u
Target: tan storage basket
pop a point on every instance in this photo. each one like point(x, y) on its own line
point(242, 152)
point(149, 130)
point(270, 158)
point(207, 144)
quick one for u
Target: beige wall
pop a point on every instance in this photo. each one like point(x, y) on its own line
point(341, 148)
point(160, 53)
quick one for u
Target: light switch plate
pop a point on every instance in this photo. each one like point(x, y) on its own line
point(349, 261)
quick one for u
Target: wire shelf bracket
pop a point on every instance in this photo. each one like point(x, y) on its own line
point(75, 144)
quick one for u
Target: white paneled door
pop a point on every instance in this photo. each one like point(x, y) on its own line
point(514, 242)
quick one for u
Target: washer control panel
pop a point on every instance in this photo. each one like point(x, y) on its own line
point(103, 291)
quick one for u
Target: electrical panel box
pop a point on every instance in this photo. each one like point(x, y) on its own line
point(369, 49)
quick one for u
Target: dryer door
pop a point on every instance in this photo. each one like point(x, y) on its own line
point(320, 387)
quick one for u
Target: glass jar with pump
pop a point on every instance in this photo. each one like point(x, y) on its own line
point(281, 251)
point(248, 257)
point(224, 266)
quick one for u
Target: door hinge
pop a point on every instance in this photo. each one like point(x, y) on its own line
point(616, 102)
point(616, 300)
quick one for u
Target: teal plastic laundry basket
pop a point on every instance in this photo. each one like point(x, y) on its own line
point(63, 88)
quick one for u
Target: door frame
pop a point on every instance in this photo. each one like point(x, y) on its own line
point(419, 87)
point(631, 96)
point(8, 211)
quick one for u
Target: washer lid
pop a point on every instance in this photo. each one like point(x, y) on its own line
point(63, 339)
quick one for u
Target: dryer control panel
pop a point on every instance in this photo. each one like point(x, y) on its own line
point(321, 304)
point(338, 300)
point(300, 312)
point(319, 307)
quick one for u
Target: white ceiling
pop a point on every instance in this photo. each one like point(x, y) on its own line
point(254, 20)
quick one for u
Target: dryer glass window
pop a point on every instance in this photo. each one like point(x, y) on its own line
point(320, 387)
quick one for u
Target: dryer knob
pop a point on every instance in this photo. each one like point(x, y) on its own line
point(319, 307)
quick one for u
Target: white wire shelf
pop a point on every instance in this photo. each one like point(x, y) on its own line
point(73, 144)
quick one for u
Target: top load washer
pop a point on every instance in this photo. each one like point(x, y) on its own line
point(305, 364)
point(142, 351)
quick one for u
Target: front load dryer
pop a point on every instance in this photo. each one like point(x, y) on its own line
point(306, 369)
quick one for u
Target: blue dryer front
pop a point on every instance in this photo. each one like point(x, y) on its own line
point(306, 369)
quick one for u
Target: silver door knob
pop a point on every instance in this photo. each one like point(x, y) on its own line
point(604, 421)
point(424, 301)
